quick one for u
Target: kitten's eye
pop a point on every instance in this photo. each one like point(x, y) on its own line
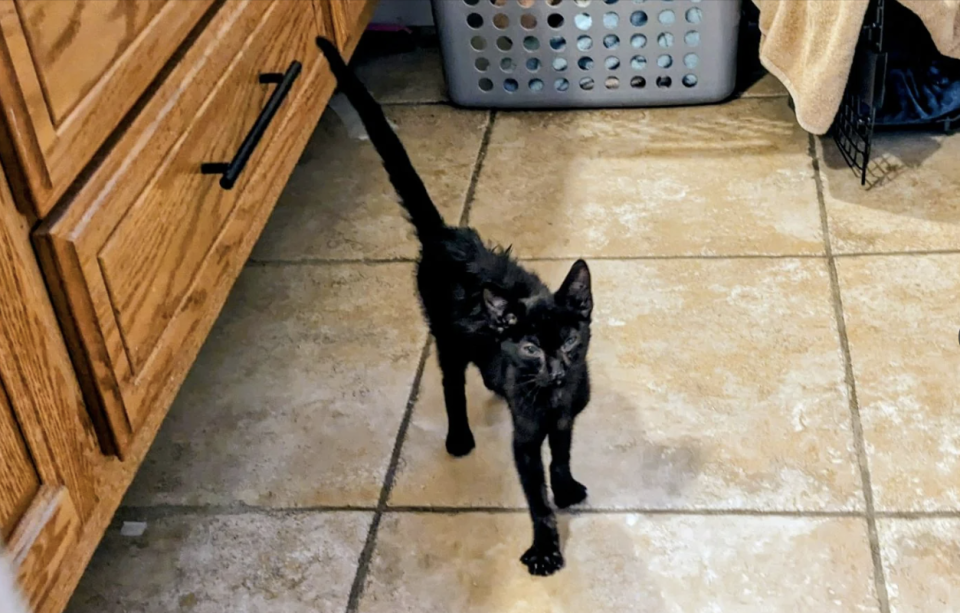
point(529, 349)
point(571, 342)
point(511, 319)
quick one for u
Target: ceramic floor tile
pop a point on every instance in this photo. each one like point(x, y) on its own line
point(297, 395)
point(902, 320)
point(622, 563)
point(730, 179)
point(339, 203)
point(716, 384)
point(242, 564)
point(910, 203)
point(921, 561)
point(410, 77)
point(427, 475)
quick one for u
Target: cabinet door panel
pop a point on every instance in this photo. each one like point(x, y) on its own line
point(71, 69)
point(45, 536)
point(47, 447)
point(60, 32)
point(19, 481)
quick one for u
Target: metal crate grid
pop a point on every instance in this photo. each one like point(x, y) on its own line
point(588, 52)
point(854, 124)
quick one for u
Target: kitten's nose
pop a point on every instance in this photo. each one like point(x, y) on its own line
point(556, 373)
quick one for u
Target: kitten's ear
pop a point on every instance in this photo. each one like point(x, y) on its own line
point(576, 292)
point(495, 304)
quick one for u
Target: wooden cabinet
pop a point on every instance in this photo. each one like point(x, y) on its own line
point(19, 481)
point(71, 69)
point(112, 112)
point(147, 250)
point(47, 484)
point(346, 16)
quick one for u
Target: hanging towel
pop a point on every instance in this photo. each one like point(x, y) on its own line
point(942, 18)
point(809, 45)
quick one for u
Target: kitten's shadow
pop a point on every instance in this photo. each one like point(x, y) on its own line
point(613, 455)
point(608, 552)
point(627, 470)
point(640, 470)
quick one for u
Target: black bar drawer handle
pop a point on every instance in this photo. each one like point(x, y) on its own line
point(231, 170)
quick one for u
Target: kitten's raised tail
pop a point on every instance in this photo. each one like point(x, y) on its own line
point(413, 194)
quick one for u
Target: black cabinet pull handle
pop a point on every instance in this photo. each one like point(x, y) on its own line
point(231, 170)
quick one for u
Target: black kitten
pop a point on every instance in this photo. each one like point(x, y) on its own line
point(482, 307)
point(542, 372)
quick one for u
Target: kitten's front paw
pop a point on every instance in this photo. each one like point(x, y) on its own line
point(460, 444)
point(568, 493)
point(543, 562)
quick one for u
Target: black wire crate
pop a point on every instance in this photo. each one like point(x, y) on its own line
point(898, 81)
point(854, 125)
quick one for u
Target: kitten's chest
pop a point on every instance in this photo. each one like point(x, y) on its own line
point(546, 408)
point(557, 400)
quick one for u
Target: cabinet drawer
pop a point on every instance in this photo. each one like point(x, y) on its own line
point(70, 71)
point(145, 254)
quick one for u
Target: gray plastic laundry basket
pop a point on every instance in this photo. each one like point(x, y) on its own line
point(588, 53)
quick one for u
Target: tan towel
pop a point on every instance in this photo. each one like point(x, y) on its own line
point(809, 45)
point(942, 19)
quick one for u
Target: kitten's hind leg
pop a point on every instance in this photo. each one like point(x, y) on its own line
point(567, 491)
point(453, 365)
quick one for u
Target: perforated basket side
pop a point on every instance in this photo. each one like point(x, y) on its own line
point(588, 53)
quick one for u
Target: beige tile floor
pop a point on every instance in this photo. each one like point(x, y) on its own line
point(775, 424)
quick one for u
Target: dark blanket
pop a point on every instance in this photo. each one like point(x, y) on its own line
point(922, 85)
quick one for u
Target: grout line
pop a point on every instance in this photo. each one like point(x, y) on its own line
point(160, 511)
point(656, 258)
point(390, 477)
point(867, 254)
point(712, 513)
point(366, 555)
point(455, 510)
point(440, 510)
point(614, 258)
point(854, 403)
point(918, 514)
point(603, 258)
point(478, 166)
point(328, 261)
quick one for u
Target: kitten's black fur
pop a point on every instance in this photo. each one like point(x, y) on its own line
point(482, 307)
